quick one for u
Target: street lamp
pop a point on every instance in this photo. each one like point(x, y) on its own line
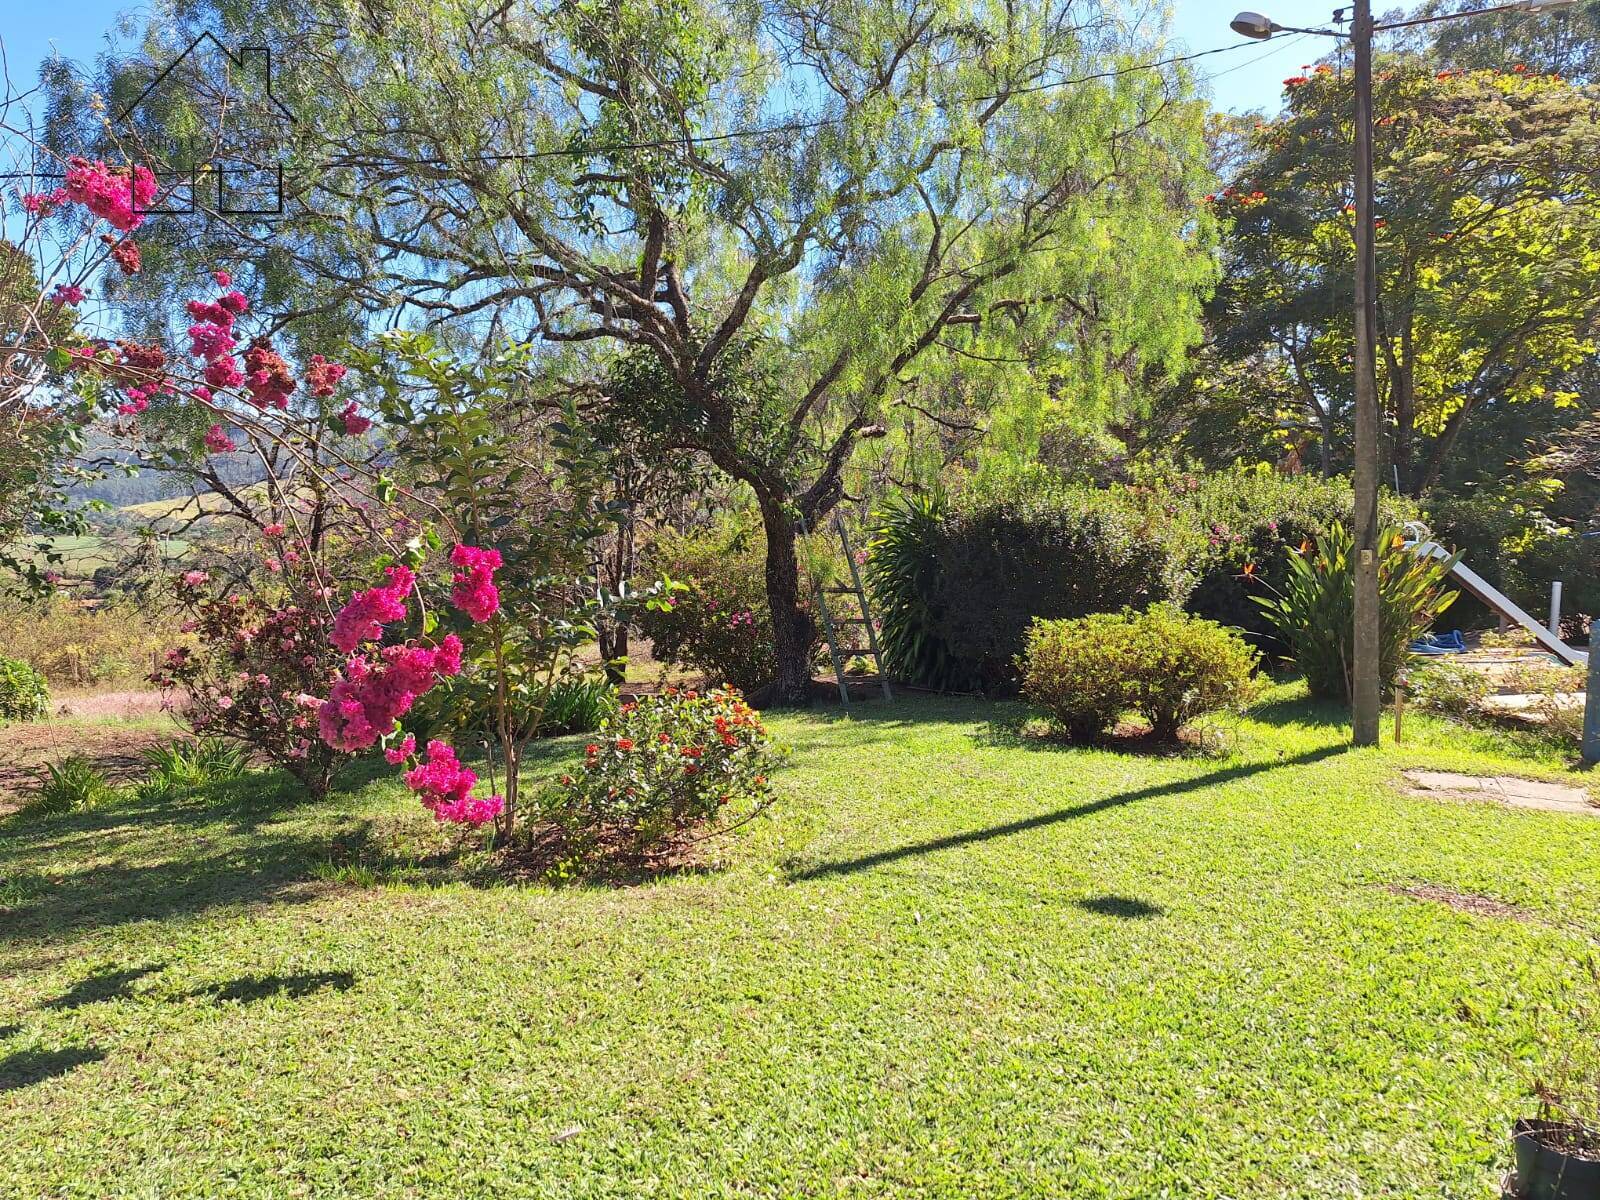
point(1365, 694)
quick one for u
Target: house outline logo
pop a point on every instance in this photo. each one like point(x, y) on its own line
point(220, 172)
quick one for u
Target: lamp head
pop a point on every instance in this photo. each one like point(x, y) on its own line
point(1254, 25)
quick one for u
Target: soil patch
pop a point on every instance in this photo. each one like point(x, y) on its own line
point(1467, 902)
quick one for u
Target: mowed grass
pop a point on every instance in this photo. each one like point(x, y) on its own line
point(958, 962)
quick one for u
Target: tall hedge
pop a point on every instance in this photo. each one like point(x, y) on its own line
point(957, 583)
point(996, 561)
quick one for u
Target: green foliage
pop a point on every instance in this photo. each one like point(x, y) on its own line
point(1007, 554)
point(1162, 663)
point(1488, 272)
point(1314, 613)
point(1243, 521)
point(1179, 667)
point(578, 704)
point(1073, 670)
point(665, 763)
point(722, 624)
point(183, 768)
point(71, 785)
point(24, 695)
point(1447, 688)
point(902, 564)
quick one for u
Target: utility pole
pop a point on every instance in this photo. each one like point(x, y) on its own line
point(1365, 697)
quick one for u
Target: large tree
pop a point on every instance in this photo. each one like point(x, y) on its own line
point(795, 211)
point(1488, 242)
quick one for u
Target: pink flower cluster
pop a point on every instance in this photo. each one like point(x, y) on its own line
point(212, 337)
point(366, 612)
point(354, 423)
point(473, 590)
point(323, 376)
point(116, 194)
point(372, 695)
point(218, 441)
point(67, 293)
point(267, 377)
point(445, 787)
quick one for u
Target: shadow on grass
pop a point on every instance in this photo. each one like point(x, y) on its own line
point(28, 1067)
point(176, 877)
point(250, 988)
point(1299, 710)
point(107, 985)
point(1127, 908)
point(867, 862)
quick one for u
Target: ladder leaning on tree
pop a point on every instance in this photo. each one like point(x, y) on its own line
point(856, 589)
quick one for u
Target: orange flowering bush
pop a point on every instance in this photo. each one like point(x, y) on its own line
point(665, 763)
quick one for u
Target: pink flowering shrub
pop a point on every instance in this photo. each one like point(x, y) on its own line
point(258, 670)
point(366, 612)
point(376, 689)
point(666, 763)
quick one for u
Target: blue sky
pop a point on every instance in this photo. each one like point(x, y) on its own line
point(1244, 79)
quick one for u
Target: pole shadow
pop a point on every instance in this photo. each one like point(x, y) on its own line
point(867, 862)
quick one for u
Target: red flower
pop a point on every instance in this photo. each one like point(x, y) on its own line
point(624, 743)
point(591, 749)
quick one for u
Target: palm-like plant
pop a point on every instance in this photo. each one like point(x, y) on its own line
point(1315, 612)
point(902, 560)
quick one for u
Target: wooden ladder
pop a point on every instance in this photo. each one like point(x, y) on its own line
point(859, 591)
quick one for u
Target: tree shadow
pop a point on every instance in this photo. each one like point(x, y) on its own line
point(28, 1067)
point(953, 841)
point(249, 988)
point(107, 985)
point(1127, 908)
point(267, 868)
point(8, 1031)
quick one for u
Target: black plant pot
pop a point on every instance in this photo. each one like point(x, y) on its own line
point(1545, 1172)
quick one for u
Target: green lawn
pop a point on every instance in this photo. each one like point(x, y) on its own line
point(956, 963)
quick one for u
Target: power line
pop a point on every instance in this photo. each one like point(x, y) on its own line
point(759, 131)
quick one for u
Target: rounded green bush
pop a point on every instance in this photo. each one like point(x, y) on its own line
point(1166, 665)
point(24, 696)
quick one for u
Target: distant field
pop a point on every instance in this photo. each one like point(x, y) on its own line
point(82, 556)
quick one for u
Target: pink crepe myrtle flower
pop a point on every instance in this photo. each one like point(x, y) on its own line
point(67, 293)
point(223, 372)
point(210, 341)
point(398, 754)
point(473, 590)
point(323, 376)
point(222, 277)
point(366, 612)
point(42, 204)
point(116, 194)
point(267, 377)
point(275, 529)
point(372, 694)
point(445, 787)
point(354, 423)
point(218, 441)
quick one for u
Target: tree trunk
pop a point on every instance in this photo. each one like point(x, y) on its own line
point(1405, 409)
point(791, 625)
point(614, 651)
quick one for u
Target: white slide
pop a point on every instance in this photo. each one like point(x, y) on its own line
point(1501, 603)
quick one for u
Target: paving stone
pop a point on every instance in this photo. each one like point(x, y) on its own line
point(1503, 789)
